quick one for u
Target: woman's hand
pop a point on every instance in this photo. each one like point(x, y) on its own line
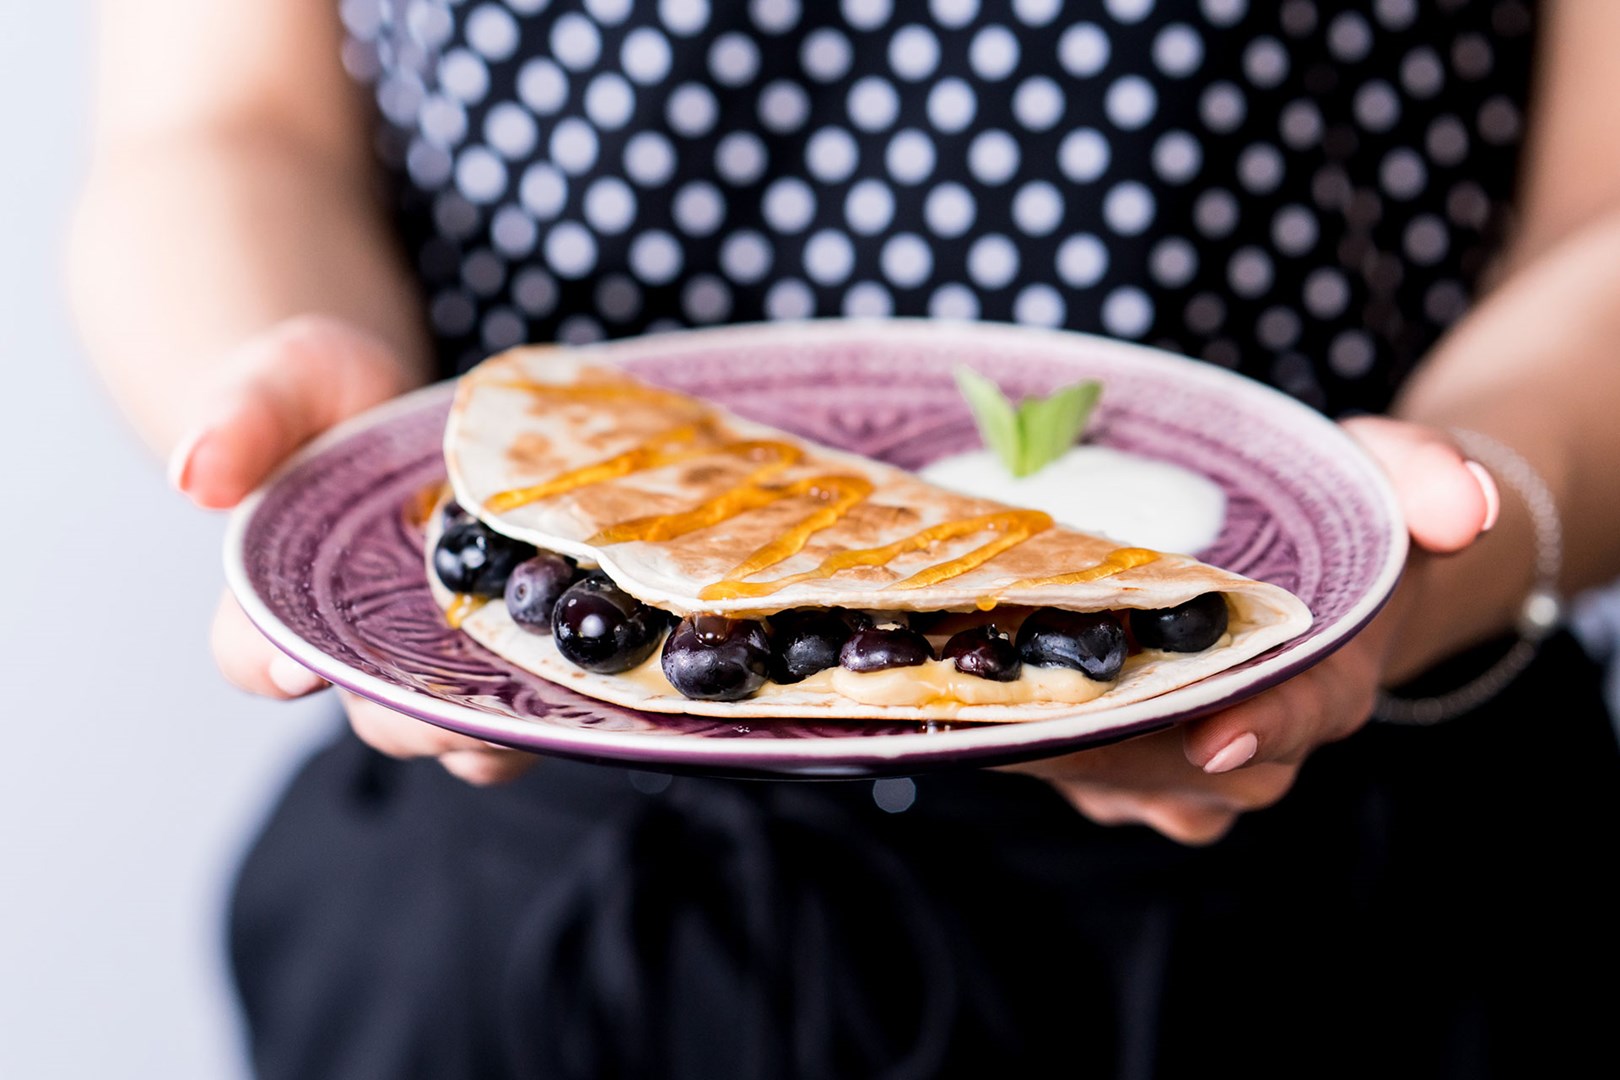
point(278, 391)
point(1192, 782)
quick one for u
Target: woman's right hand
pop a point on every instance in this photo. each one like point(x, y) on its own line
point(279, 390)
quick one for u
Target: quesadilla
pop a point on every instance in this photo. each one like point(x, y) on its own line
point(654, 550)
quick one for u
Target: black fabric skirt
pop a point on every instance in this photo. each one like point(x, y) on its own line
point(1426, 902)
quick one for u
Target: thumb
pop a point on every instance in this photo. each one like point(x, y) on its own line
point(280, 389)
point(1447, 499)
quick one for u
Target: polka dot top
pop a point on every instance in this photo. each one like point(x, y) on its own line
point(1305, 191)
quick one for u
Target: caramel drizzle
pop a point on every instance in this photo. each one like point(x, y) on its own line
point(1115, 562)
point(461, 607)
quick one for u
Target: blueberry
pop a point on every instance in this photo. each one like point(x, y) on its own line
point(1190, 627)
point(807, 640)
point(598, 626)
point(878, 648)
point(1090, 642)
point(472, 558)
point(986, 652)
point(533, 589)
point(713, 658)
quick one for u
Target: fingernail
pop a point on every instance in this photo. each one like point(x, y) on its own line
point(1493, 496)
point(180, 459)
point(1235, 753)
point(293, 678)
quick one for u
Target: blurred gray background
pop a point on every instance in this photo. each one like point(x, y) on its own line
point(133, 773)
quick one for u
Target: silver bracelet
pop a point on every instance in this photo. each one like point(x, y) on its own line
point(1543, 609)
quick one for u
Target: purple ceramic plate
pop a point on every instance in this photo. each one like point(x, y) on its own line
point(326, 558)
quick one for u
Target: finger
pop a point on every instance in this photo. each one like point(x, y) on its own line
point(1447, 499)
point(248, 661)
point(488, 766)
point(404, 737)
point(279, 390)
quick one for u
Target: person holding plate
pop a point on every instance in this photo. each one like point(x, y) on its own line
point(1405, 215)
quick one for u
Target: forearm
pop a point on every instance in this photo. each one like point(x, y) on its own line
point(185, 244)
point(1532, 367)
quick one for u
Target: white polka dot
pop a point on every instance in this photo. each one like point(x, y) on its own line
point(1037, 209)
point(1300, 124)
point(774, 16)
point(1172, 262)
point(1422, 73)
point(1445, 302)
point(952, 105)
point(455, 216)
point(1499, 121)
point(1260, 168)
point(913, 52)
point(831, 155)
point(1083, 155)
point(993, 53)
point(873, 104)
point(579, 330)
point(909, 157)
point(1327, 293)
point(1471, 56)
point(535, 291)
point(430, 26)
point(867, 300)
point(1083, 50)
point(1351, 354)
point(866, 14)
point(400, 93)
point(993, 157)
point(1130, 102)
point(954, 301)
point(609, 101)
point(1222, 107)
point(790, 298)
point(745, 256)
point(953, 14)
point(428, 165)
point(1177, 157)
point(492, 31)
point(1127, 312)
point(698, 208)
point(480, 175)
point(1082, 259)
point(1426, 240)
point(907, 260)
point(570, 249)
point(443, 121)
point(573, 145)
point(618, 298)
point(1294, 230)
point(950, 210)
point(655, 257)
point(610, 205)
point(1376, 106)
point(1039, 305)
point(463, 76)
point(1403, 174)
point(1249, 272)
point(1468, 205)
point(1349, 37)
point(1277, 328)
point(1396, 14)
point(783, 106)
point(826, 55)
point(1215, 212)
point(1265, 62)
point(684, 17)
point(869, 207)
point(649, 159)
point(542, 86)
point(609, 12)
point(453, 313)
point(692, 110)
point(645, 55)
point(828, 257)
point(1447, 141)
point(1128, 208)
point(788, 205)
point(483, 272)
point(502, 329)
point(511, 130)
point(1178, 50)
point(1128, 11)
point(543, 191)
point(575, 41)
point(1038, 103)
point(1224, 12)
point(740, 158)
point(1205, 313)
point(513, 232)
point(733, 59)
point(992, 261)
point(1037, 12)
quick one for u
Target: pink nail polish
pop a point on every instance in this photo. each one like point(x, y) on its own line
point(179, 471)
point(1487, 485)
point(1235, 753)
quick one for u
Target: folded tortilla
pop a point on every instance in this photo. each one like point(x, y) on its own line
point(692, 509)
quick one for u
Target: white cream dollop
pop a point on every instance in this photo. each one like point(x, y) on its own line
point(1097, 489)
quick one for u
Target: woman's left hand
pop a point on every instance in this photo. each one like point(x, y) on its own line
point(1191, 782)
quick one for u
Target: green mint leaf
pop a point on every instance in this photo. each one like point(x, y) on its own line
point(995, 416)
point(1032, 434)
